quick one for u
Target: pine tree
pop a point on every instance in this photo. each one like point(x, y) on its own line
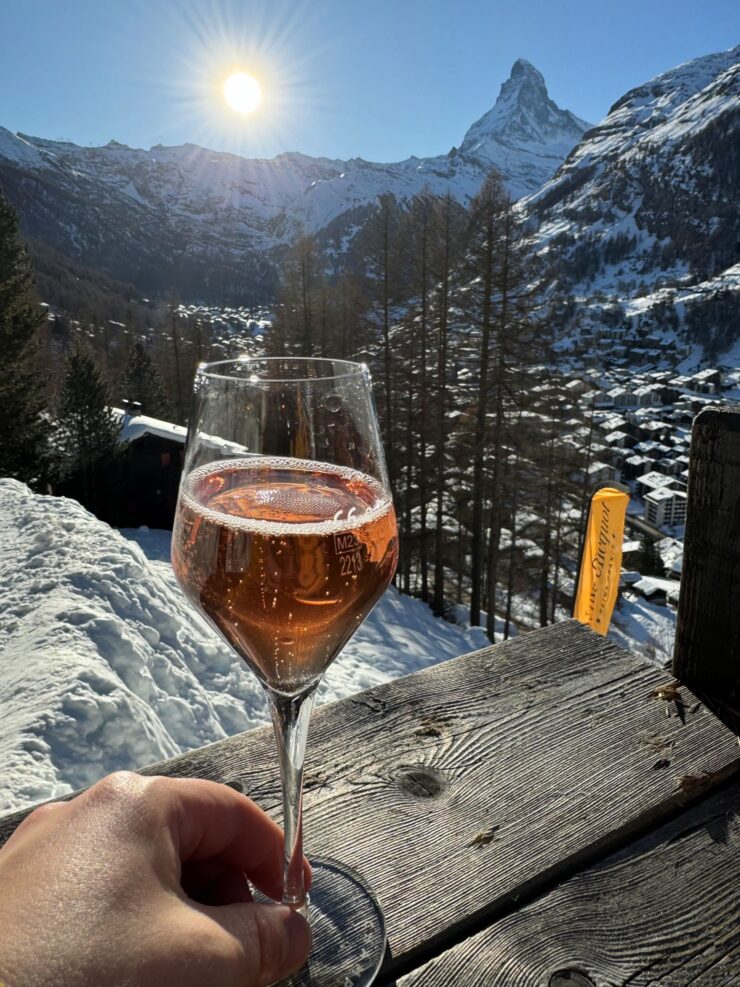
point(87, 432)
point(379, 242)
point(22, 388)
point(446, 242)
point(482, 261)
point(298, 326)
point(178, 375)
point(649, 562)
point(419, 222)
point(142, 383)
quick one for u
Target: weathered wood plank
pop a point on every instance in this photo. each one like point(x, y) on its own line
point(707, 650)
point(463, 788)
point(664, 911)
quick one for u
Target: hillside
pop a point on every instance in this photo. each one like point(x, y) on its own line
point(641, 220)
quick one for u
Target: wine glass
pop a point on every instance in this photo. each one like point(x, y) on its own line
point(285, 538)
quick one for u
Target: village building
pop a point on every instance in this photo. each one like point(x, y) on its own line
point(665, 507)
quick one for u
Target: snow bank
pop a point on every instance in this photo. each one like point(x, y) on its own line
point(104, 664)
point(644, 628)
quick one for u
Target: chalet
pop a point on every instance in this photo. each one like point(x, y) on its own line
point(597, 399)
point(646, 396)
point(153, 460)
point(634, 466)
point(707, 382)
point(669, 467)
point(619, 440)
point(598, 473)
point(611, 423)
point(631, 553)
point(653, 451)
point(656, 430)
point(668, 394)
point(660, 376)
point(621, 397)
point(657, 590)
point(577, 387)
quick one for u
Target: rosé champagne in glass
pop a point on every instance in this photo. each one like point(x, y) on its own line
point(285, 538)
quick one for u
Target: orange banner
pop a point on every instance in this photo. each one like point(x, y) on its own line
point(601, 561)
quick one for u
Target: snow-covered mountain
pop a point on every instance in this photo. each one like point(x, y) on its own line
point(526, 135)
point(207, 223)
point(646, 206)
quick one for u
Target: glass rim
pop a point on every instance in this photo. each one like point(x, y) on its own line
point(207, 369)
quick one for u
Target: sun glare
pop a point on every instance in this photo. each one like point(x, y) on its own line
point(243, 79)
point(242, 92)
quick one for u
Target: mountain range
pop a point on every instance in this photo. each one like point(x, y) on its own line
point(206, 224)
point(636, 217)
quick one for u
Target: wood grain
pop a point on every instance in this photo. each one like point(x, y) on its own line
point(707, 650)
point(664, 911)
point(468, 787)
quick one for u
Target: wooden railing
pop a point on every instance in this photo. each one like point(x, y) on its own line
point(548, 812)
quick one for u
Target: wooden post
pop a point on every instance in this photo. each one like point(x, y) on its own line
point(707, 650)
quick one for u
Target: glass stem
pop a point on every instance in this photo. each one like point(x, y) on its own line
point(290, 717)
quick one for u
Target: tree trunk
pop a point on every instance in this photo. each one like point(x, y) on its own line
point(423, 556)
point(512, 550)
point(477, 535)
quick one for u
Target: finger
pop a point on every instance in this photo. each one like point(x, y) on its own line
point(275, 940)
point(213, 822)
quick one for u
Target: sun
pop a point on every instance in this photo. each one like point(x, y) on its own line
point(242, 92)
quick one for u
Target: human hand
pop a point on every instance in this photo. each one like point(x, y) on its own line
point(141, 881)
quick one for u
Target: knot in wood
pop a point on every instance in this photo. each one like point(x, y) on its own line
point(421, 781)
point(570, 978)
point(235, 784)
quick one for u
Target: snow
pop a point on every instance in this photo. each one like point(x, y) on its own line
point(671, 554)
point(645, 628)
point(649, 585)
point(15, 148)
point(631, 546)
point(105, 665)
point(134, 426)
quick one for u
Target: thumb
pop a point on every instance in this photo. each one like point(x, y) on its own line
point(275, 940)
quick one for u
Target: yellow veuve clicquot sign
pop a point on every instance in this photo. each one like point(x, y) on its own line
point(601, 561)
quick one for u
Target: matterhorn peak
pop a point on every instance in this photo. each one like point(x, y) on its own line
point(523, 71)
point(523, 121)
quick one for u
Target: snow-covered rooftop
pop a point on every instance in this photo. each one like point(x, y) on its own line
point(649, 585)
point(655, 480)
point(133, 427)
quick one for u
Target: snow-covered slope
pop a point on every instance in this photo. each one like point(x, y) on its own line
point(104, 664)
point(189, 218)
point(648, 199)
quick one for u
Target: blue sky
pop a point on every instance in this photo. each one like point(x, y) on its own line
point(379, 79)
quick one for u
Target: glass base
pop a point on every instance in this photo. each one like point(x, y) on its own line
point(348, 930)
